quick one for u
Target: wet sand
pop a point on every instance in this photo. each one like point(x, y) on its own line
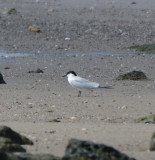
point(30, 101)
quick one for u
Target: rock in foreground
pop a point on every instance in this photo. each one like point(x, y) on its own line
point(84, 150)
point(1, 79)
point(27, 156)
point(14, 136)
point(134, 75)
point(10, 143)
point(152, 144)
point(7, 145)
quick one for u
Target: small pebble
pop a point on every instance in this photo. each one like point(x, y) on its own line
point(34, 29)
point(124, 107)
point(53, 106)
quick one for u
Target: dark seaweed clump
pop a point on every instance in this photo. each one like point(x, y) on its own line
point(134, 75)
point(150, 48)
point(11, 11)
point(147, 119)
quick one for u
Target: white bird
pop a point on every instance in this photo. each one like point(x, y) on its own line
point(80, 83)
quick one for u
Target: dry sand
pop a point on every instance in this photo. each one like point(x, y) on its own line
point(30, 101)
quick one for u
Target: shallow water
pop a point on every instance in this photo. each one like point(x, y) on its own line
point(4, 54)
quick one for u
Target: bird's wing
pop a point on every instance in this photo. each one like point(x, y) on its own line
point(81, 80)
point(83, 83)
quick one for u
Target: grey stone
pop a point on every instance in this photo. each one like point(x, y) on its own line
point(85, 150)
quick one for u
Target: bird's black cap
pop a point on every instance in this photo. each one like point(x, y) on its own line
point(72, 72)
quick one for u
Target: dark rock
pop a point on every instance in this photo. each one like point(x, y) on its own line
point(150, 48)
point(7, 68)
point(36, 71)
point(152, 144)
point(84, 150)
point(147, 119)
point(14, 136)
point(8, 146)
point(1, 79)
point(7, 156)
point(134, 75)
point(11, 11)
point(26, 156)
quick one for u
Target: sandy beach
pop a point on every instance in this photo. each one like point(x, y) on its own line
point(90, 38)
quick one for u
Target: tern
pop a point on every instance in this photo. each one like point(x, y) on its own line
point(80, 83)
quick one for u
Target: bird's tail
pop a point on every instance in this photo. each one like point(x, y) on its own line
point(106, 87)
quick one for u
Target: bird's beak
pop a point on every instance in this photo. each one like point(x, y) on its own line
point(64, 75)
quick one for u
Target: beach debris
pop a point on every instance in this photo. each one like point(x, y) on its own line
point(134, 75)
point(147, 119)
point(85, 130)
point(83, 55)
point(53, 106)
point(34, 29)
point(11, 11)
point(1, 79)
point(73, 118)
point(67, 39)
point(50, 111)
point(54, 120)
point(98, 105)
point(124, 107)
point(30, 105)
point(150, 48)
point(133, 2)
point(36, 71)
point(50, 10)
point(152, 143)
point(6, 67)
point(85, 150)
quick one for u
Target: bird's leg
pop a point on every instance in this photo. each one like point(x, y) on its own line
point(79, 95)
